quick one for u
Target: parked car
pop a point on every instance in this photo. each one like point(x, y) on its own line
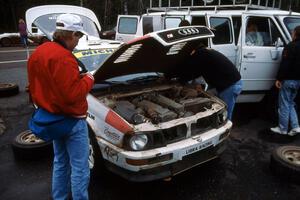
point(13, 39)
point(143, 123)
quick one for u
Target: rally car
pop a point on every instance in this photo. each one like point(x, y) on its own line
point(147, 124)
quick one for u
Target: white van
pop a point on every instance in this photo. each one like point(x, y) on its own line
point(257, 62)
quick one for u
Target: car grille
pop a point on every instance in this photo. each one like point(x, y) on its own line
point(205, 124)
point(164, 137)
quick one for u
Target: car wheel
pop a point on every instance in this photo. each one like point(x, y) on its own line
point(8, 89)
point(96, 162)
point(5, 42)
point(285, 162)
point(27, 146)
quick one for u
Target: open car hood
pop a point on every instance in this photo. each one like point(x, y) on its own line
point(161, 51)
point(44, 18)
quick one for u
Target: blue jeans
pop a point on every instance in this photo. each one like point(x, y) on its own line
point(229, 96)
point(24, 40)
point(70, 167)
point(286, 104)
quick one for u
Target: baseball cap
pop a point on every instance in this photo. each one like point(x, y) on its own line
point(70, 22)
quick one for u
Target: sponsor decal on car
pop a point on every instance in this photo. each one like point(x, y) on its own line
point(198, 148)
point(93, 52)
point(111, 153)
point(111, 135)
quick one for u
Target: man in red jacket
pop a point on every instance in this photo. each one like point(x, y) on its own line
point(58, 89)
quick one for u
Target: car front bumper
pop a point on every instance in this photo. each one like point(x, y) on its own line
point(185, 155)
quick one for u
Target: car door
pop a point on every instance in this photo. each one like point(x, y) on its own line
point(259, 62)
point(223, 41)
point(127, 28)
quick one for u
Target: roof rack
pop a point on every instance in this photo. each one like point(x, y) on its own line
point(167, 5)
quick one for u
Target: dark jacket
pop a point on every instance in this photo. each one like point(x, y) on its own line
point(217, 70)
point(290, 62)
point(22, 29)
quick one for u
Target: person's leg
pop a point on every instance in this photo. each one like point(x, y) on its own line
point(294, 86)
point(26, 40)
point(78, 149)
point(284, 103)
point(229, 96)
point(22, 40)
point(61, 171)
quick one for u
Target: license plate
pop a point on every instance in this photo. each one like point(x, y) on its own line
point(198, 147)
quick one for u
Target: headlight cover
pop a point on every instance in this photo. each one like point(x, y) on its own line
point(138, 142)
point(222, 116)
point(225, 115)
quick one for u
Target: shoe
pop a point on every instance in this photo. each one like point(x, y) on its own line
point(278, 130)
point(294, 131)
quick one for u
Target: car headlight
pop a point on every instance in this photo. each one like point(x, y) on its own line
point(225, 115)
point(222, 116)
point(138, 142)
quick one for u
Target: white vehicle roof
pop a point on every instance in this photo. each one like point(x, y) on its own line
point(233, 7)
point(33, 13)
point(225, 12)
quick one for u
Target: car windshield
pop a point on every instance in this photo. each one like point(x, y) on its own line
point(46, 23)
point(291, 23)
point(93, 58)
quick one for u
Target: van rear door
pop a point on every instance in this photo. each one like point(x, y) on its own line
point(127, 28)
point(224, 40)
point(259, 55)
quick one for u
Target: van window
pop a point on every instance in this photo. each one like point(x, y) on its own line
point(198, 20)
point(291, 23)
point(147, 25)
point(127, 25)
point(237, 22)
point(172, 22)
point(151, 24)
point(222, 30)
point(261, 31)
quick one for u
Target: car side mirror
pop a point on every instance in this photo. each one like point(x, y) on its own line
point(278, 43)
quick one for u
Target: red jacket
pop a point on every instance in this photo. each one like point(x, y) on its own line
point(55, 83)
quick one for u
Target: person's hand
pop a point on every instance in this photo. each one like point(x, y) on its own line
point(87, 74)
point(278, 84)
point(199, 88)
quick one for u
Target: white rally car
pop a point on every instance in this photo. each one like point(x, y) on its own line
point(146, 125)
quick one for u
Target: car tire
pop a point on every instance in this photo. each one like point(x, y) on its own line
point(5, 42)
point(96, 161)
point(27, 146)
point(285, 162)
point(8, 89)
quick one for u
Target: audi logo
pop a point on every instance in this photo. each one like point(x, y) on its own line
point(188, 31)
